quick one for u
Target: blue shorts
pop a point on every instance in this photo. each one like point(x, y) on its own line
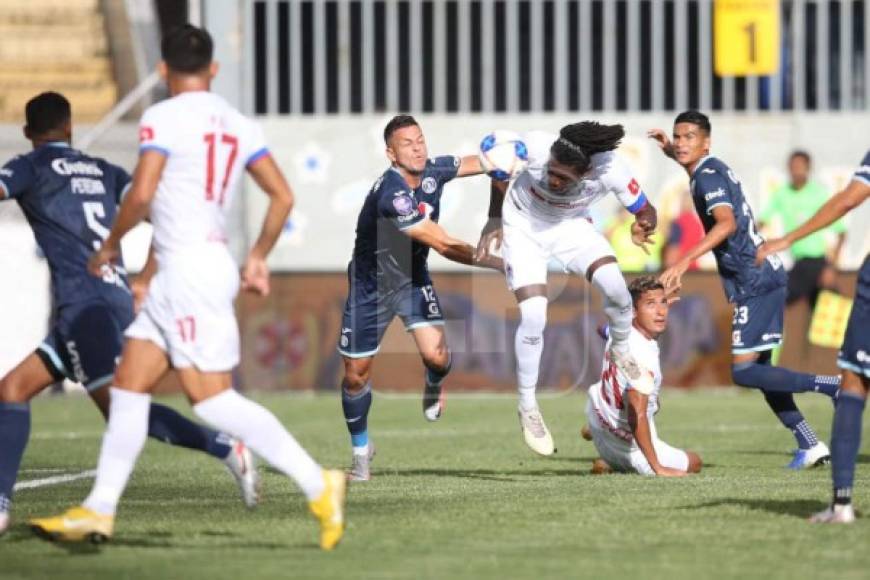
point(367, 315)
point(855, 353)
point(757, 322)
point(85, 342)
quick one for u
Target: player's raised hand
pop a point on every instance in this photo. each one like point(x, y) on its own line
point(672, 277)
point(641, 235)
point(672, 294)
point(770, 247)
point(490, 239)
point(663, 141)
point(103, 260)
point(255, 276)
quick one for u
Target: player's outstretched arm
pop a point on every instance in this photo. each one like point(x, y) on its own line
point(639, 422)
point(835, 208)
point(134, 208)
point(492, 234)
point(429, 233)
point(268, 176)
point(726, 224)
point(469, 165)
point(662, 140)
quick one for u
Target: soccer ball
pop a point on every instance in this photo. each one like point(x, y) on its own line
point(503, 155)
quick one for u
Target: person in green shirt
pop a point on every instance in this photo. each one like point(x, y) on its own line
point(793, 203)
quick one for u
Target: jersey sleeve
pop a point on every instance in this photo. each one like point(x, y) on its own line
point(155, 132)
point(619, 179)
point(399, 207)
point(714, 190)
point(257, 148)
point(16, 177)
point(122, 182)
point(445, 167)
point(863, 172)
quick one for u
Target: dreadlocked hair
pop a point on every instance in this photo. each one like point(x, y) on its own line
point(593, 137)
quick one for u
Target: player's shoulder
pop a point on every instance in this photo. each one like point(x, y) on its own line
point(389, 184)
point(443, 161)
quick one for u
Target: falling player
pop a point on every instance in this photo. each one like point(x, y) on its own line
point(620, 414)
point(854, 356)
point(389, 276)
point(544, 214)
point(194, 147)
point(757, 292)
point(68, 198)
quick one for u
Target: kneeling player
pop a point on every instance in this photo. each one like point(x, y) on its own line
point(620, 411)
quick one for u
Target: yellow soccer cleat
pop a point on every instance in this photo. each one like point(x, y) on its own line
point(78, 524)
point(329, 508)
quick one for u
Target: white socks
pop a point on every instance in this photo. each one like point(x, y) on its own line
point(529, 344)
point(263, 433)
point(617, 303)
point(122, 443)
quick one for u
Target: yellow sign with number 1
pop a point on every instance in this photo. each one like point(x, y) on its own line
point(746, 34)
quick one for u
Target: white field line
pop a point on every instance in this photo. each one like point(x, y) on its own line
point(54, 480)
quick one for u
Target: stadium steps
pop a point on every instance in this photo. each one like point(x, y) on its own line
point(58, 45)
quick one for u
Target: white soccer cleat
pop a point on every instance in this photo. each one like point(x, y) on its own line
point(640, 378)
point(4, 522)
point(242, 465)
point(818, 454)
point(433, 402)
point(835, 514)
point(360, 467)
point(535, 432)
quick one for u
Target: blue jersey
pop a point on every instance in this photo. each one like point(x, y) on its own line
point(384, 257)
point(70, 200)
point(714, 184)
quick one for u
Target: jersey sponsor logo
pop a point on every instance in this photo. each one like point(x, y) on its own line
point(403, 205)
point(710, 196)
point(63, 166)
point(145, 134)
point(708, 171)
point(633, 186)
point(771, 336)
point(87, 186)
point(429, 185)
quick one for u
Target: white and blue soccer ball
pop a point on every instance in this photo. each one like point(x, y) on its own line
point(503, 155)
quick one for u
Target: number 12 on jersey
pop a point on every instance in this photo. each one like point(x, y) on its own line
point(225, 142)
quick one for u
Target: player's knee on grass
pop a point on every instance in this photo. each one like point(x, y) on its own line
point(695, 463)
point(357, 372)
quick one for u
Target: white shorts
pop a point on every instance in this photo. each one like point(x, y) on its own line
point(624, 456)
point(530, 243)
point(189, 310)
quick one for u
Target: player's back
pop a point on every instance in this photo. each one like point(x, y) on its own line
point(207, 144)
point(70, 200)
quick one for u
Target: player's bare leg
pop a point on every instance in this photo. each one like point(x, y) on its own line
point(600, 467)
point(356, 400)
point(529, 344)
point(432, 344)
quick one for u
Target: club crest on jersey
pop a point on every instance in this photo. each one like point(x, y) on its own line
point(403, 205)
point(429, 185)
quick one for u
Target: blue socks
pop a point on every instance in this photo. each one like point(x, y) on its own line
point(845, 441)
point(14, 433)
point(356, 414)
point(773, 379)
point(783, 405)
point(169, 426)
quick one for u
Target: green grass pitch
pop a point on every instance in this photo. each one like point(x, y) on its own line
point(461, 498)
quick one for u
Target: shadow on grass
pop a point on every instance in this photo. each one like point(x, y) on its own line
point(799, 508)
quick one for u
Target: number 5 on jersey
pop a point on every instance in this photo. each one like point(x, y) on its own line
point(227, 142)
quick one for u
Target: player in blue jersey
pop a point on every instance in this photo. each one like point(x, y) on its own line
point(757, 291)
point(388, 275)
point(70, 200)
point(854, 356)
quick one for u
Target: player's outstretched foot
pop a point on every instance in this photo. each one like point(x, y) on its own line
point(600, 467)
point(360, 467)
point(816, 455)
point(433, 402)
point(535, 431)
point(78, 524)
point(835, 514)
point(243, 466)
point(329, 508)
point(586, 433)
point(640, 377)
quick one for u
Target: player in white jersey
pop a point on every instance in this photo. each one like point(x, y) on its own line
point(194, 147)
point(544, 214)
point(621, 411)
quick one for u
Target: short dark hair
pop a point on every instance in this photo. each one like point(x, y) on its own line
point(802, 154)
point(639, 286)
point(396, 123)
point(187, 49)
point(46, 112)
point(696, 118)
point(580, 141)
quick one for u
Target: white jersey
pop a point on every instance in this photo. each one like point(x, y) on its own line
point(608, 173)
point(207, 144)
point(608, 397)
